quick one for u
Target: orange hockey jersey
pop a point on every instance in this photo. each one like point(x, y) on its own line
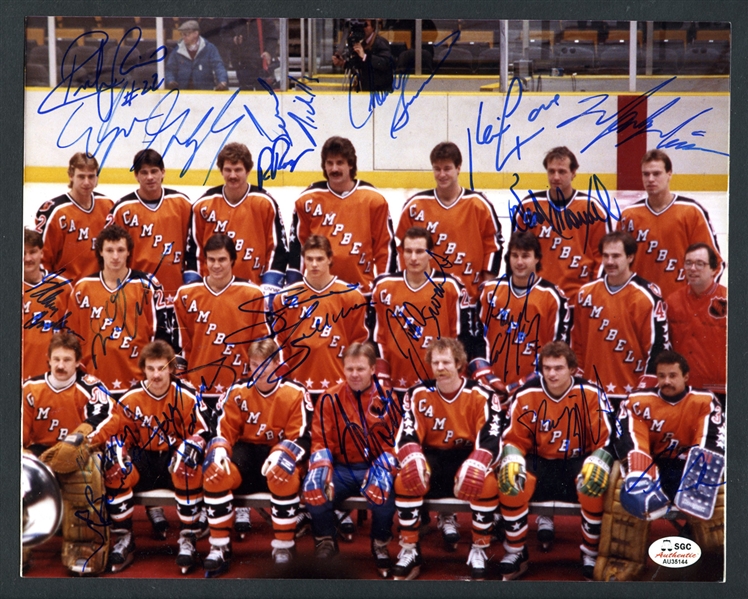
point(44, 313)
point(357, 427)
point(160, 235)
point(50, 415)
point(515, 327)
point(668, 428)
point(251, 416)
point(467, 234)
point(664, 237)
point(569, 236)
point(470, 419)
point(358, 226)
point(161, 423)
point(617, 334)
point(409, 319)
point(215, 331)
point(69, 234)
point(115, 324)
point(698, 331)
point(254, 224)
point(313, 327)
point(556, 428)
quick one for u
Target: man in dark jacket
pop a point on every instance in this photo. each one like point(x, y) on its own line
point(371, 62)
point(195, 63)
point(252, 44)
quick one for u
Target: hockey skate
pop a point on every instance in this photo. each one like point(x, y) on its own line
point(187, 557)
point(159, 523)
point(218, 560)
point(408, 564)
point(546, 532)
point(123, 553)
point(448, 525)
point(242, 522)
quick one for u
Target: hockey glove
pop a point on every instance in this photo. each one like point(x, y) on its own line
point(479, 370)
point(593, 479)
point(119, 471)
point(472, 474)
point(378, 480)
point(186, 462)
point(72, 453)
point(641, 494)
point(281, 462)
point(271, 283)
point(513, 471)
point(414, 469)
point(217, 464)
point(318, 487)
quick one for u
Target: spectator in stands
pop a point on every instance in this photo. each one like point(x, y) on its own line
point(195, 63)
point(252, 44)
point(367, 57)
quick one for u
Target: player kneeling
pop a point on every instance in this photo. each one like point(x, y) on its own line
point(447, 445)
point(160, 445)
point(556, 447)
point(261, 444)
point(685, 430)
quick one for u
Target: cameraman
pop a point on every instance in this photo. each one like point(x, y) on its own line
point(367, 56)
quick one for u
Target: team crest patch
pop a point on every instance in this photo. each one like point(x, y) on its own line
point(718, 307)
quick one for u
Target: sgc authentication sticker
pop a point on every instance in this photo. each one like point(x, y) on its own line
point(674, 552)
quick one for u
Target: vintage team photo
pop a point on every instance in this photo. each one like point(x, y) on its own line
point(347, 298)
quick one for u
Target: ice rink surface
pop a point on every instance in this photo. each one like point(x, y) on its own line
point(715, 203)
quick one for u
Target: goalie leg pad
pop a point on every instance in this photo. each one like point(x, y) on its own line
point(85, 527)
point(623, 537)
point(710, 534)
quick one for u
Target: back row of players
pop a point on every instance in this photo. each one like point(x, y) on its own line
point(317, 318)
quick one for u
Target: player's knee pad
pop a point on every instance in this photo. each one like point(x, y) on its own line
point(593, 505)
point(223, 484)
point(623, 537)
point(288, 488)
point(523, 497)
point(710, 534)
point(85, 530)
point(400, 490)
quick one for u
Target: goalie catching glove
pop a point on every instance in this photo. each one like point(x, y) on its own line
point(318, 487)
point(472, 474)
point(595, 474)
point(513, 471)
point(641, 494)
point(217, 464)
point(414, 469)
point(377, 484)
point(71, 453)
point(281, 463)
point(185, 463)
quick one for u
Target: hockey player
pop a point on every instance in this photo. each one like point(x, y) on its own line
point(519, 313)
point(447, 445)
point(218, 318)
point(697, 314)
point(351, 214)
point(556, 446)
point(413, 308)
point(69, 222)
point(67, 417)
point(159, 445)
point(352, 453)
point(116, 312)
point(671, 446)
point(158, 220)
point(261, 444)
point(620, 322)
point(665, 224)
point(466, 229)
point(45, 300)
point(315, 319)
point(568, 224)
point(247, 214)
